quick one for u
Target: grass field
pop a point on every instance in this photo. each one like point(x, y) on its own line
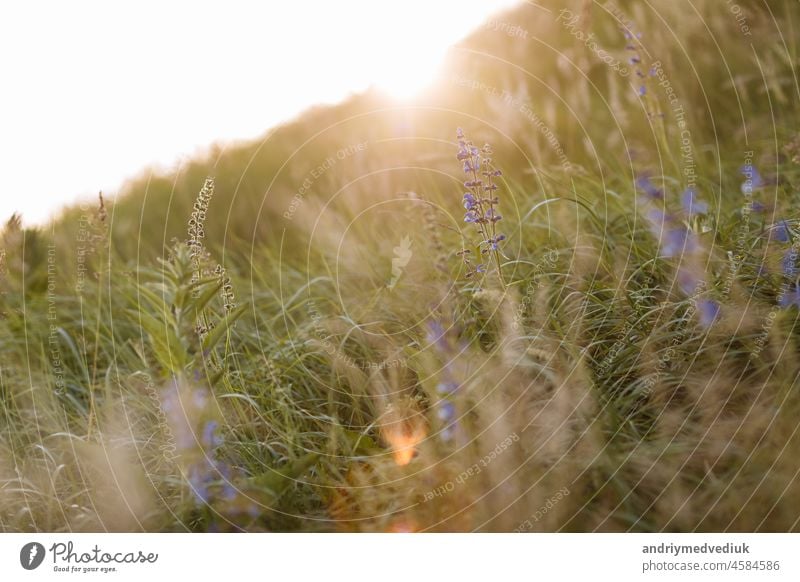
point(288, 335)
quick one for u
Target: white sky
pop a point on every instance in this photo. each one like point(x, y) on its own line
point(91, 92)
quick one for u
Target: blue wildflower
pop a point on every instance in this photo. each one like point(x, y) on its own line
point(753, 179)
point(447, 433)
point(199, 482)
point(200, 398)
point(790, 297)
point(210, 438)
point(446, 388)
point(480, 201)
point(229, 491)
point(447, 411)
point(642, 90)
point(437, 336)
point(645, 185)
point(492, 215)
point(678, 241)
point(495, 241)
point(690, 203)
point(707, 311)
point(689, 279)
point(781, 232)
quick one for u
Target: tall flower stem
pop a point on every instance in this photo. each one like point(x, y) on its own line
point(481, 202)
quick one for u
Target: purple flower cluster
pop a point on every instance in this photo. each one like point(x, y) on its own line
point(480, 200)
point(197, 441)
point(633, 41)
point(677, 239)
point(674, 236)
point(790, 295)
point(448, 385)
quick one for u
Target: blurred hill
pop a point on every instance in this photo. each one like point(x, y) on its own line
point(531, 83)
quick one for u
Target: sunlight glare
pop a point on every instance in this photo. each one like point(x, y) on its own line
point(97, 91)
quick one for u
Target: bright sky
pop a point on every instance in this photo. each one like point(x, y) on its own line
point(94, 91)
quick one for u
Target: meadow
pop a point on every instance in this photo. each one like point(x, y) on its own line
point(369, 320)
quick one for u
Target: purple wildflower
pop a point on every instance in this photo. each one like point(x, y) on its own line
point(691, 205)
point(678, 241)
point(689, 279)
point(635, 60)
point(707, 311)
point(479, 201)
point(211, 439)
point(781, 232)
point(199, 481)
point(790, 297)
point(447, 388)
point(492, 215)
point(437, 336)
point(753, 179)
point(447, 411)
point(494, 242)
point(229, 491)
point(645, 185)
